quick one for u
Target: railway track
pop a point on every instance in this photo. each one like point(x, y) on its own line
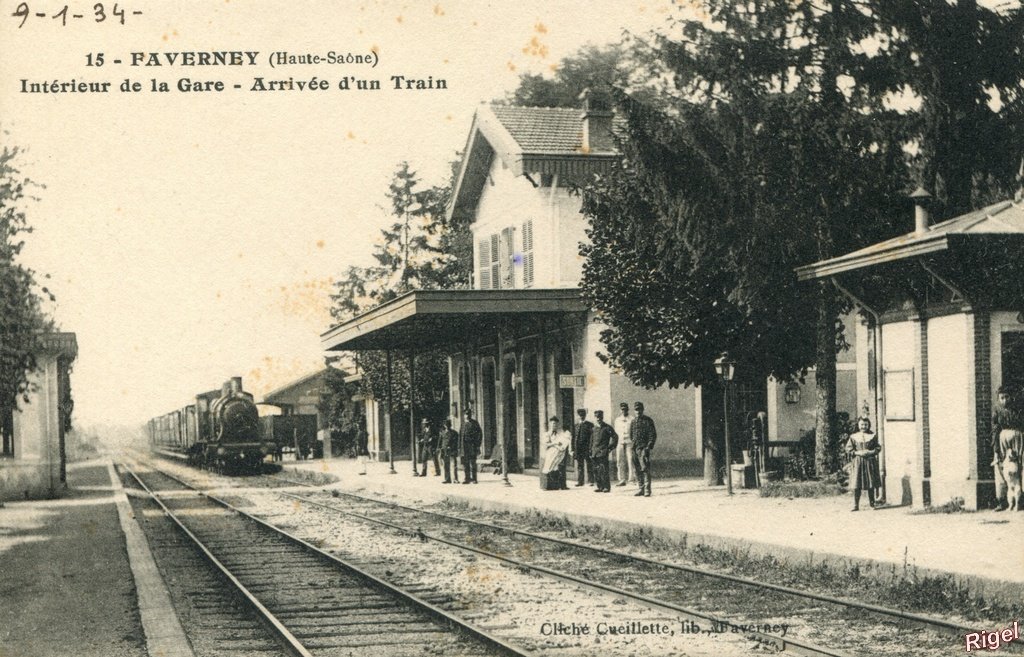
point(838, 625)
point(313, 603)
point(819, 624)
point(509, 602)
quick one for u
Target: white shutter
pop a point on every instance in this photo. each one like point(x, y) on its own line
point(495, 262)
point(484, 264)
point(528, 253)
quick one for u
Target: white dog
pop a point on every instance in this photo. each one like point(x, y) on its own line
point(1011, 472)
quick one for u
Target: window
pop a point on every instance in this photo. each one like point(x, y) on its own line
point(507, 261)
point(7, 431)
point(528, 253)
point(495, 261)
point(1011, 347)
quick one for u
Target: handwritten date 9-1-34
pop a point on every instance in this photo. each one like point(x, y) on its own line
point(99, 14)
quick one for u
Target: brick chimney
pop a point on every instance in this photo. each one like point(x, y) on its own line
point(597, 122)
point(921, 199)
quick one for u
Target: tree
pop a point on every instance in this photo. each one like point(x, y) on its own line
point(591, 67)
point(963, 64)
point(343, 418)
point(22, 320)
point(774, 135)
point(758, 158)
point(420, 249)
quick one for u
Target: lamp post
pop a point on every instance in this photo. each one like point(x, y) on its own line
point(726, 368)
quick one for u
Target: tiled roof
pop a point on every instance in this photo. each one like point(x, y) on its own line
point(528, 140)
point(542, 129)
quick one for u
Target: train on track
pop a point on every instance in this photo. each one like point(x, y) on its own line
point(222, 431)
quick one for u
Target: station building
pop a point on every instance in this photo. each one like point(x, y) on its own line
point(33, 459)
point(522, 343)
point(943, 331)
point(302, 398)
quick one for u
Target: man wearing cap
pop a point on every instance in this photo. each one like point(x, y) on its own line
point(472, 438)
point(581, 436)
point(1007, 437)
point(643, 434)
point(624, 452)
point(603, 443)
point(428, 448)
point(450, 451)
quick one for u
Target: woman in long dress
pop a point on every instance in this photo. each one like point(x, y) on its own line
point(556, 449)
point(864, 448)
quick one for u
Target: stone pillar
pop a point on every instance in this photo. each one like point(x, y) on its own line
point(38, 463)
point(981, 443)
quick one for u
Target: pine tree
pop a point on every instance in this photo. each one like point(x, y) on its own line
point(418, 250)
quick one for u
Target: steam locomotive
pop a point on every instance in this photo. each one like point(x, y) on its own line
point(220, 431)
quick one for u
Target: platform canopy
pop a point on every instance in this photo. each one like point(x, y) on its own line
point(974, 259)
point(427, 319)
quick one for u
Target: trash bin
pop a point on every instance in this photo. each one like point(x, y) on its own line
point(743, 476)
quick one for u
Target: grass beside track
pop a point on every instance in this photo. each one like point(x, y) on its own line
point(901, 587)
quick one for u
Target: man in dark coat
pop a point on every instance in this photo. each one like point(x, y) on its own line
point(450, 451)
point(362, 446)
point(643, 434)
point(581, 436)
point(472, 438)
point(603, 443)
point(428, 448)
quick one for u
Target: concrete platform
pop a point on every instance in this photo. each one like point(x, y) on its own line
point(76, 576)
point(982, 550)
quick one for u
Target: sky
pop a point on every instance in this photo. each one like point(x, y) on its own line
point(193, 236)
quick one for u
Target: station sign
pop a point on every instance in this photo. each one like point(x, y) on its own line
point(572, 380)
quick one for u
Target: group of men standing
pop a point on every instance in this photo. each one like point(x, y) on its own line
point(590, 445)
point(630, 438)
point(448, 446)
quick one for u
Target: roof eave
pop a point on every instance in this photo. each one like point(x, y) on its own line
point(293, 384)
point(370, 315)
point(850, 262)
point(453, 303)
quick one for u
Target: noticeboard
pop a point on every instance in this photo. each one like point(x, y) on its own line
point(899, 394)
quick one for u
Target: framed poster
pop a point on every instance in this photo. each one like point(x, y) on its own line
point(898, 387)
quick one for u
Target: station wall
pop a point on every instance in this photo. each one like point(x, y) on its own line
point(950, 405)
point(899, 344)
